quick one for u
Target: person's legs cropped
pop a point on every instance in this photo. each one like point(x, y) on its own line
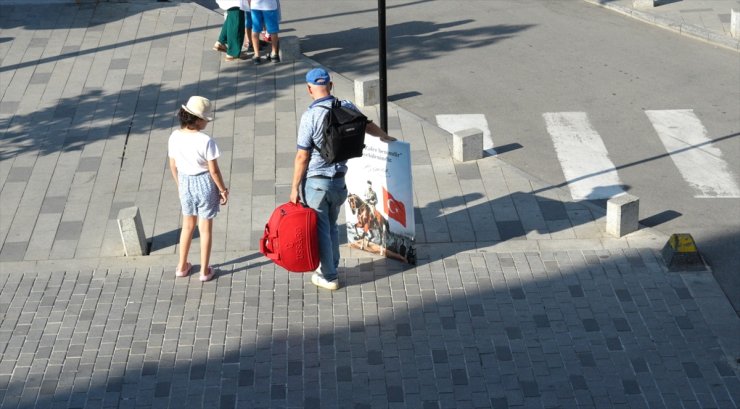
point(272, 25)
point(235, 33)
point(326, 197)
point(257, 24)
point(247, 30)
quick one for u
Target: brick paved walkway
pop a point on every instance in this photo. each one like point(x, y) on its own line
point(565, 329)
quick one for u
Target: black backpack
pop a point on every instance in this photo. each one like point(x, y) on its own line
point(344, 133)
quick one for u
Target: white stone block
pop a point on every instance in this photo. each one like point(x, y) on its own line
point(643, 4)
point(467, 145)
point(132, 232)
point(290, 49)
point(367, 91)
point(622, 215)
point(735, 23)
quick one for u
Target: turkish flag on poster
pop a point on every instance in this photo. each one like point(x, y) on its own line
point(393, 208)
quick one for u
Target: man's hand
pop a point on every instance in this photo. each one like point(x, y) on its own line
point(294, 197)
point(377, 131)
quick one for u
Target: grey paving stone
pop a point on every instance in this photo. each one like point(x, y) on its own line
point(53, 204)
point(19, 174)
point(13, 251)
point(40, 78)
point(467, 171)
point(69, 231)
point(510, 230)
point(119, 64)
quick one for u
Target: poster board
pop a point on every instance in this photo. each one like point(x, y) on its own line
point(380, 203)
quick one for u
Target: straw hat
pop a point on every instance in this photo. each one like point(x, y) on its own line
point(200, 107)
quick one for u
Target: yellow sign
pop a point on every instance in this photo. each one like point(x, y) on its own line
point(683, 243)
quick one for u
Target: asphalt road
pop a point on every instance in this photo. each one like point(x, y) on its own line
point(514, 60)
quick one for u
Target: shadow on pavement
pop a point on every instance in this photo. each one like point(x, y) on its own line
point(480, 330)
point(407, 42)
point(67, 16)
point(96, 115)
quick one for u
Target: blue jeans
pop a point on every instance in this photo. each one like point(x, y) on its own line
point(326, 196)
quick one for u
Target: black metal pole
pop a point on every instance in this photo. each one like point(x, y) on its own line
point(383, 67)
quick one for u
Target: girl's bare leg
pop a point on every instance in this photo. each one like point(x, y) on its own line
point(186, 238)
point(205, 227)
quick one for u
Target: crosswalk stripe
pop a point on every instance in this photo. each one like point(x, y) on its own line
point(460, 122)
point(697, 159)
point(589, 172)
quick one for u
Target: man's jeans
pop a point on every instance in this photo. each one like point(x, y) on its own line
point(326, 196)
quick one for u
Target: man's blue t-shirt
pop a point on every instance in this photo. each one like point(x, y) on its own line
point(310, 137)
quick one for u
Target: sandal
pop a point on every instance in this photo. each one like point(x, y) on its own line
point(229, 58)
point(219, 47)
point(185, 272)
point(209, 276)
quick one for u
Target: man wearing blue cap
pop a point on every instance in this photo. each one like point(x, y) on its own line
point(322, 183)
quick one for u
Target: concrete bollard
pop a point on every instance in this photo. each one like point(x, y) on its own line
point(638, 4)
point(290, 49)
point(735, 23)
point(622, 215)
point(467, 145)
point(367, 91)
point(132, 232)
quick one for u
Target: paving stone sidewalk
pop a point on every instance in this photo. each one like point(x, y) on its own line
point(519, 298)
point(606, 329)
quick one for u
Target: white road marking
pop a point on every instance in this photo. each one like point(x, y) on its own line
point(589, 172)
point(461, 122)
point(699, 161)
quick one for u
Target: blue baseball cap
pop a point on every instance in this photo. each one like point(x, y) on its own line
point(318, 76)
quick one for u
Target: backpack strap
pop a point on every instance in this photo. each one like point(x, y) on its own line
point(334, 104)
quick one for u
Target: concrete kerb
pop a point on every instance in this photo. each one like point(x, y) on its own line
point(688, 30)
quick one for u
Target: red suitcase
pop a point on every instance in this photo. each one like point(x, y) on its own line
point(291, 238)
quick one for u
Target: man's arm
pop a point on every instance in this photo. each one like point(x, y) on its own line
point(299, 169)
point(377, 131)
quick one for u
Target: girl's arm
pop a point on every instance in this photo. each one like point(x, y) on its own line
point(173, 169)
point(215, 172)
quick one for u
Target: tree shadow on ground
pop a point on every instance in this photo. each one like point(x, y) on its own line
point(475, 330)
point(91, 16)
point(97, 115)
point(478, 224)
point(408, 42)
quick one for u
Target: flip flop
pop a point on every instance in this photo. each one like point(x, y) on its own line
point(208, 276)
point(184, 273)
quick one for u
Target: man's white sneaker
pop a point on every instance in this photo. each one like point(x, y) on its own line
point(320, 281)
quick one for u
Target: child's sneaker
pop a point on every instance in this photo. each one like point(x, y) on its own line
point(320, 281)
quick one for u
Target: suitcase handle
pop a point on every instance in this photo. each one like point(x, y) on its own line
point(266, 246)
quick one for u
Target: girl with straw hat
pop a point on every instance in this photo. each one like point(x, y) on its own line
point(193, 162)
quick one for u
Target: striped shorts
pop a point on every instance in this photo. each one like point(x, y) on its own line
point(199, 195)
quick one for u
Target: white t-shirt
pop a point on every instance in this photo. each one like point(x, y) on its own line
point(264, 4)
point(191, 151)
point(227, 4)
